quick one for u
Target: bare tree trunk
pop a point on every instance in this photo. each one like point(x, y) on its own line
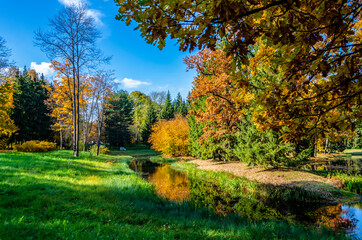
point(326, 146)
point(61, 139)
point(100, 125)
point(315, 149)
point(74, 118)
point(77, 132)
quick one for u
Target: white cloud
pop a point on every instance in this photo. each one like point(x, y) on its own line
point(43, 68)
point(131, 83)
point(71, 2)
point(95, 14)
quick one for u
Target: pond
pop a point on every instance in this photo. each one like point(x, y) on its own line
point(174, 185)
point(349, 163)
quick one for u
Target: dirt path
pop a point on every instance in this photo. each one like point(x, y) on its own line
point(281, 176)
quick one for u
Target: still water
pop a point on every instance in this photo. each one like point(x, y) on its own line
point(174, 185)
point(351, 164)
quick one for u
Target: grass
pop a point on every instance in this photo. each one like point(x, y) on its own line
point(56, 196)
point(135, 153)
point(163, 160)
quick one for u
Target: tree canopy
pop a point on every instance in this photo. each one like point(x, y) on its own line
point(314, 48)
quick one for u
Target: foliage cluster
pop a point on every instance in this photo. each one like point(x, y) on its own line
point(88, 198)
point(102, 149)
point(35, 146)
point(299, 80)
point(171, 137)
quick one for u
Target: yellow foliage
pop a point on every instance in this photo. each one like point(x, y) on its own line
point(170, 137)
point(7, 126)
point(35, 146)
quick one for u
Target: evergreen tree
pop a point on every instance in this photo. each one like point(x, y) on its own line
point(150, 119)
point(118, 118)
point(357, 143)
point(167, 110)
point(197, 148)
point(31, 114)
point(180, 107)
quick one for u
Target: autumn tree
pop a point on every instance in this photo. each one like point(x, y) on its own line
point(7, 126)
point(140, 104)
point(318, 44)
point(103, 91)
point(60, 103)
point(224, 100)
point(171, 137)
point(72, 37)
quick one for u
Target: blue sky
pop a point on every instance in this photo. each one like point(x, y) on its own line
point(137, 65)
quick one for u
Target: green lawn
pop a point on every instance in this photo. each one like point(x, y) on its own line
point(55, 196)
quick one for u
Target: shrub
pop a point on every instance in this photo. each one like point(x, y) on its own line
point(170, 137)
point(102, 149)
point(35, 146)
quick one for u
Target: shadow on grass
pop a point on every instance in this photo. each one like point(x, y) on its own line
point(93, 200)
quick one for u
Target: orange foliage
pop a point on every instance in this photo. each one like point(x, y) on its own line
point(225, 97)
point(170, 137)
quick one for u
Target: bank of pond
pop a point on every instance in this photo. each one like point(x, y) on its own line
point(226, 194)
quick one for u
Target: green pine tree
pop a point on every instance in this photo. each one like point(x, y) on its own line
point(167, 109)
point(150, 119)
point(118, 118)
point(31, 114)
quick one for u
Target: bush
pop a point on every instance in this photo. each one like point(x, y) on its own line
point(171, 137)
point(102, 149)
point(35, 146)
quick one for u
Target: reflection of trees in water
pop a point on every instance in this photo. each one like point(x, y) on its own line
point(170, 184)
point(334, 217)
point(348, 165)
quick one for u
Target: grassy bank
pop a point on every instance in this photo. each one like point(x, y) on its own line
point(55, 196)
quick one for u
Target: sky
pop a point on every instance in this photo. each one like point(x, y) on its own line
point(138, 65)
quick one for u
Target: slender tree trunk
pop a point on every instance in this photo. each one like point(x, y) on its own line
point(74, 118)
point(315, 149)
point(100, 125)
point(85, 129)
point(326, 146)
point(76, 152)
point(61, 139)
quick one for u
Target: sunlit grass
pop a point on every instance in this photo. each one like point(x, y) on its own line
point(56, 196)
